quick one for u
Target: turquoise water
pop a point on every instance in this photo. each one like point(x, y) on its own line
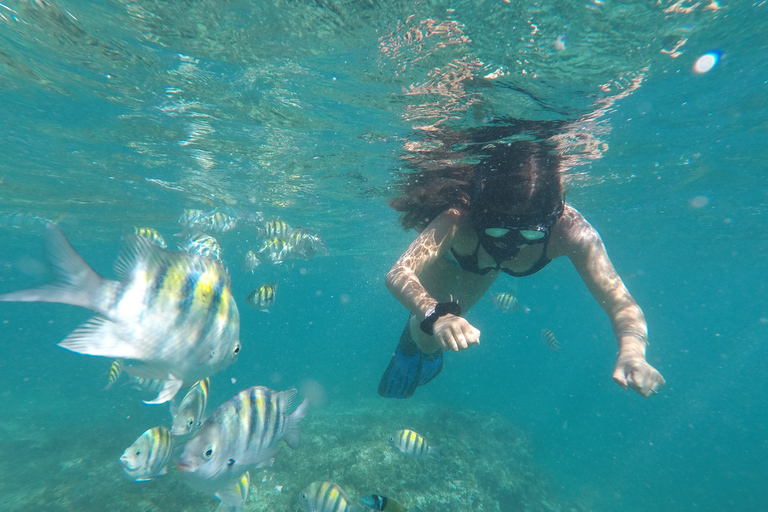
point(122, 114)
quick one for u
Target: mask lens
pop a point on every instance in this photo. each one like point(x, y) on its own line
point(496, 232)
point(530, 234)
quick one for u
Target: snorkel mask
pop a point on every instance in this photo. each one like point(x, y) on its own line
point(503, 236)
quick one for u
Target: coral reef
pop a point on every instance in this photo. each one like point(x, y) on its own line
point(486, 464)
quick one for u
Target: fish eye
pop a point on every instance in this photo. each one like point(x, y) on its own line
point(190, 422)
point(208, 453)
point(303, 495)
point(138, 452)
point(237, 349)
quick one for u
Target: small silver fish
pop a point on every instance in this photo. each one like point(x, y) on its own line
point(251, 261)
point(152, 235)
point(549, 339)
point(242, 434)
point(148, 456)
point(170, 317)
point(263, 297)
point(188, 417)
point(326, 497)
point(506, 302)
point(412, 444)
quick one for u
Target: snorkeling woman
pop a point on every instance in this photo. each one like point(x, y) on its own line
point(501, 212)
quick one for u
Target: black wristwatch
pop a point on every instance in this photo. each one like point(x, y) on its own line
point(440, 309)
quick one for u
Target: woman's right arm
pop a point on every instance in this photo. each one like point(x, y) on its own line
point(403, 278)
point(450, 332)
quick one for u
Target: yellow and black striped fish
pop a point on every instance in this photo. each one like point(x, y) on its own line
point(148, 456)
point(506, 302)
point(549, 339)
point(242, 434)
point(170, 317)
point(114, 373)
point(276, 228)
point(263, 297)
point(412, 444)
point(326, 497)
point(152, 235)
point(274, 250)
point(188, 417)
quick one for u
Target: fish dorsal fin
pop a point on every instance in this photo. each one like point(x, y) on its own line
point(136, 249)
point(287, 397)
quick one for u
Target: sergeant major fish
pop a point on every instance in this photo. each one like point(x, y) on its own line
point(412, 444)
point(263, 297)
point(241, 435)
point(148, 456)
point(548, 337)
point(152, 235)
point(326, 497)
point(188, 416)
point(506, 302)
point(377, 502)
point(171, 317)
point(203, 245)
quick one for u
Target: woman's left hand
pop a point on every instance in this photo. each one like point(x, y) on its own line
point(633, 371)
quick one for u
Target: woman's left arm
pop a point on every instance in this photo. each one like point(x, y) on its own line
point(574, 237)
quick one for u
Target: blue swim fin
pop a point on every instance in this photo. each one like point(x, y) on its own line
point(431, 365)
point(409, 368)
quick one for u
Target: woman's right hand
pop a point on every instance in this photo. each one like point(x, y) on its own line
point(455, 333)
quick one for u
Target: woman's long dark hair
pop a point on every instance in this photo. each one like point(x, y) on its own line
point(512, 167)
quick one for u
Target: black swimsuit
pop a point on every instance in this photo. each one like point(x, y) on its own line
point(470, 262)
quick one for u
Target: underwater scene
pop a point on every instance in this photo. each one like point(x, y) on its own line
point(353, 255)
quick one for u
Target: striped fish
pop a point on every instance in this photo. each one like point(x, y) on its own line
point(239, 490)
point(305, 245)
point(411, 444)
point(148, 456)
point(377, 502)
point(188, 417)
point(241, 435)
point(276, 228)
point(203, 245)
point(114, 373)
point(170, 317)
point(326, 497)
point(549, 339)
point(152, 235)
point(274, 250)
point(212, 221)
point(506, 302)
point(263, 297)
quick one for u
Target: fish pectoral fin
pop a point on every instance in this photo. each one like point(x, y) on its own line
point(100, 337)
point(169, 390)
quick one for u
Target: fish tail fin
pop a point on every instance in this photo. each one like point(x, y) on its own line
point(436, 451)
point(74, 281)
point(293, 432)
point(166, 394)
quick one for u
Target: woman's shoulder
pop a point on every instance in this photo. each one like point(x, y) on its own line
point(571, 232)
